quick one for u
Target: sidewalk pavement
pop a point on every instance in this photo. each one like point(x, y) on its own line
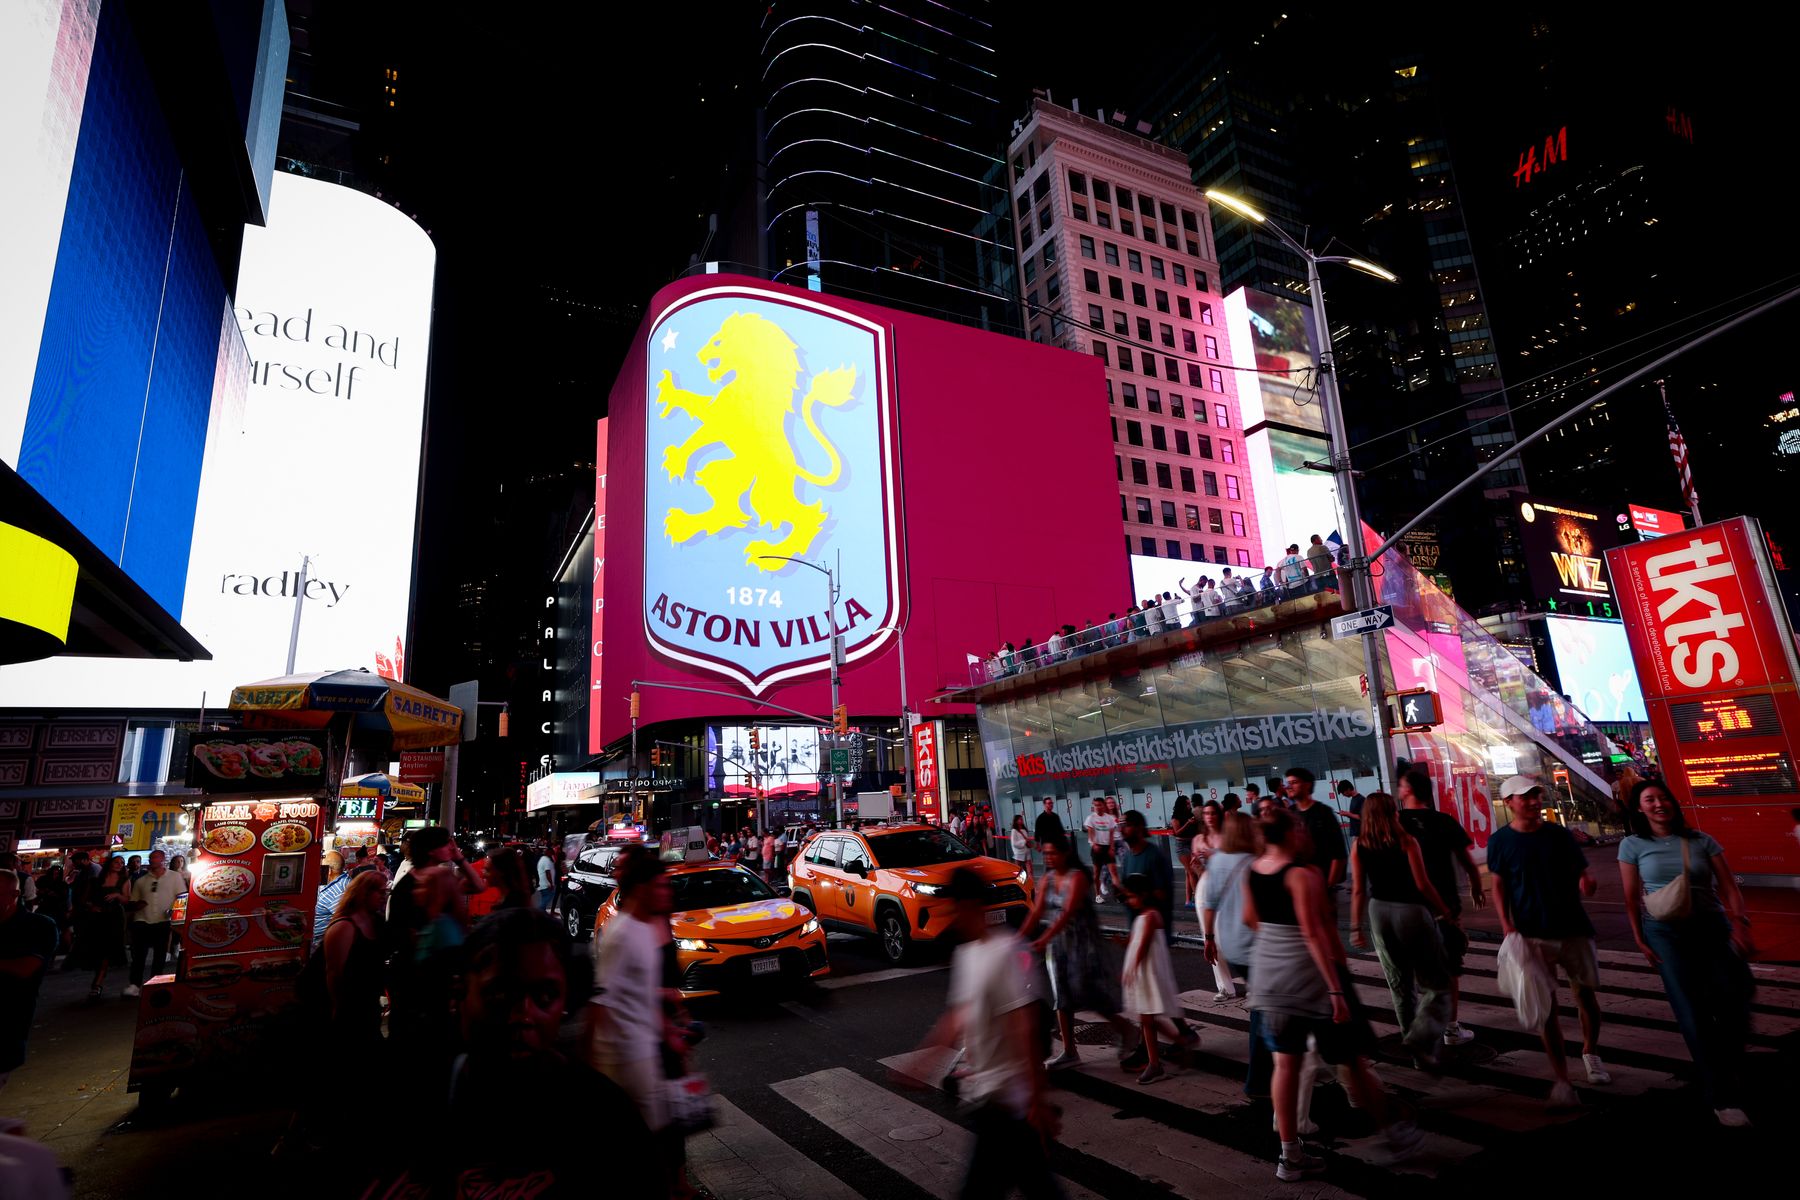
point(71, 1094)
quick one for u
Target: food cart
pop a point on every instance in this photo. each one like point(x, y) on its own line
point(269, 793)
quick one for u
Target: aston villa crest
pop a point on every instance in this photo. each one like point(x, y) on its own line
point(768, 438)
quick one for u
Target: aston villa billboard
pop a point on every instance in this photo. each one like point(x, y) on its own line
point(760, 434)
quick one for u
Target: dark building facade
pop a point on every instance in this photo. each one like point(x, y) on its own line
point(882, 130)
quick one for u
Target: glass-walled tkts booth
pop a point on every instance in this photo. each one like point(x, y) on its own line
point(1499, 717)
point(1204, 724)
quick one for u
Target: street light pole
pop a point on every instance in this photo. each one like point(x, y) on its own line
point(837, 658)
point(1355, 576)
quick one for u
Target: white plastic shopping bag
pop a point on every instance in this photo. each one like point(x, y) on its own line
point(1523, 977)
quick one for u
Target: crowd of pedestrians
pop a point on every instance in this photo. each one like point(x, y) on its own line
point(1267, 878)
point(1207, 599)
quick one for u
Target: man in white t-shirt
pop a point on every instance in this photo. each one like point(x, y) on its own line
point(152, 899)
point(546, 881)
point(1291, 570)
point(993, 1016)
point(1153, 617)
point(1102, 830)
point(1168, 605)
point(627, 1011)
point(1196, 600)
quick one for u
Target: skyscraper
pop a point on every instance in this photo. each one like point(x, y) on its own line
point(1116, 259)
point(881, 128)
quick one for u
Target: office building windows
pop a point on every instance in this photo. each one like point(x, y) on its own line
point(1185, 309)
point(1162, 476)
point(1100, 351)
point(1128, 393)
point(1209, 482)
point(1231, 488)
point(1237, 524)
point(1187, 340)
point(1077, 183)
point(1135, 261)
point(1091, 281)
point(1196, 551)
point(1140, 472)
point(1121, 324)
point(1138, 296)
point(1111, 252)
point(1096, 316)
point(1152, 400)
point(1162, 301)
point(1149, 362)
point(1221, 414)
point(1115, 287)
point(1087, 246)
point(1168, 513)
point(1156, 267)
point(1221, 555)
point(1193, 517)
point(1134, 433)
point(1215, 520)
point(1052, 286)
point(1171, 370)
point(1206, 317)
point(1217, 378)
point(1212, 346)
point(1182, 445)
point(1102, 192)
point(1243, 557)
point(1143, 328)
point(1148, 544)
point(1176, 407)
point(1202, 445)
point(1193, 375)
point(1227, 452)
point(1159, 438)
point(1174, 548)
point(1168, 335)
point(1079, 212)
point(1180, 274)
point(1143, 512)
point(1187, 479)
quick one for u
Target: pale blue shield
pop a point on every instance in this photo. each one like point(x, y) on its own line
point(768, 435)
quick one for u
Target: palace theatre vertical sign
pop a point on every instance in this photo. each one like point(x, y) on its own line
point(1715, 655)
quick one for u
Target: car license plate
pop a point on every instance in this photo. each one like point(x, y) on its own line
point(996, 916)
point(765, 966)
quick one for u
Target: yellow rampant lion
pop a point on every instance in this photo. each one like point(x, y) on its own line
point(748, 416)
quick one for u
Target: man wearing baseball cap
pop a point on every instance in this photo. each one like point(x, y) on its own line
point(1540, 877)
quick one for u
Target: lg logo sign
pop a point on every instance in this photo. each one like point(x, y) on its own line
point(1684, 584)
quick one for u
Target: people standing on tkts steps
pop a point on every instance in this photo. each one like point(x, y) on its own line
point(1695, 932)
point(1540, 877)
point(1444, 844)
point(1102, 829)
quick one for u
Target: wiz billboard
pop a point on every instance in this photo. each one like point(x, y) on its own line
point(1715, 656)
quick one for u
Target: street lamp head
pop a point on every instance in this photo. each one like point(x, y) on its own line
point(1226, 200)
point(1369, 268)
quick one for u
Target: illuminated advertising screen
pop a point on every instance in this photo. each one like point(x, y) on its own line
point(1714, 651)
point(1565, 547)
point(594, 744)
point(871, 436)
point(786, 757)
point(1284, 427)
point(1654, 522)
point(734, 491)
point(1593, 660)
point(322, 464)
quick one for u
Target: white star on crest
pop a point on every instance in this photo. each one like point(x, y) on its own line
point(669, 340)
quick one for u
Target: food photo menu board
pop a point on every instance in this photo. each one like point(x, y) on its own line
point(256, 875)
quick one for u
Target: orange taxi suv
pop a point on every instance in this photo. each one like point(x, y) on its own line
point(732, 929)
point(888, 882)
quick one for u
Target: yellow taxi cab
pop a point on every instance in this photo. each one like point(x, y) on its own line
point(731, 928)
point(887, 882)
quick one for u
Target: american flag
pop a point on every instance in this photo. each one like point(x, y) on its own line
point(1678, 449)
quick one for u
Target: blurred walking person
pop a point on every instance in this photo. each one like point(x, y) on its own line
point(1693, 929)
point(1390, 886)
point(1148, 980)
point(1228, 939)
point(993, 1018)
point(104, 934)
point(1444, 845)
point(1070, 942)
point(1019, 841)
point(27, 944)
point(546, 878)
point(1301, 986)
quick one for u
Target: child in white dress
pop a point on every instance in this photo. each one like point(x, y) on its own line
point(1149, 979)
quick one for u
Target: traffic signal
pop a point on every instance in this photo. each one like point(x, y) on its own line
point(755, 741)
point(656, 756)
point(840, 719)
point(634, 704)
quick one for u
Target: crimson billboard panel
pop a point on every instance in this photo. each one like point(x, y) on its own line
point(960, 486)
point(1715, 656)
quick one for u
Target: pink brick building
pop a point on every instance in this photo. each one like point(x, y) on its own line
point(1116, 260)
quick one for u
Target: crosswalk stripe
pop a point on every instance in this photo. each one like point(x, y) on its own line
point(930, 1150)
point(834, 982)
point(738, 1159)
point(1765, 972)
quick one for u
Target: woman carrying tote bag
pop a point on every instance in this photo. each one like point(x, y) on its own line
point(1692, 929)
